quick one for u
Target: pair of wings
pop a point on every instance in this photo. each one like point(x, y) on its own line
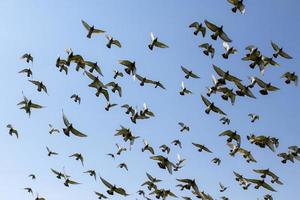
point(73, 130)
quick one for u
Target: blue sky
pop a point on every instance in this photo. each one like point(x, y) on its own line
point(47, 29)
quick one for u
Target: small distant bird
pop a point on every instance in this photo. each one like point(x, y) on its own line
point(78, 156)
point(91, 172)
point(91, 29)
point(52, 129)
point(117, 73)
point(111, 155)
point(28, 57)
point(216, 161)
point(120, 149)
point(100, 195)
point(147, 147)
point(32, 176)
point(208, 49)
point(279, 51)
point(201, 147)
point(12, 130)
point(29, 190)
point(40, 86)
point(164, 148)
point(76, 98)
point(290, 77)
point(261, 183)
point(115, 87)
point(189, 73)
point(222, 187)
point(238, 5)
point(156, 43)
point(109, 105)
point(225, 120)
point(50, 152)
point(70, 129)
point(112, 41)
point(199, 28)
point(229, 50)
point(113, 188)
point(164, 163)
point(184, 90)
point(218, 31)
point(211, 106)
point(123, 165)
point(93, 66)
point(253, 117)
point(130, 67)
point(183, 127)
point(27, 71)
point(265, 87)
point(232, 135)
point(27, 105)
point(177, 143)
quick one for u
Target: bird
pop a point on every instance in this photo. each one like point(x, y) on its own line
point(265, 87)
point(238, 5)
point(263, 141)
point(225, 76)
point(253, 117)
point(268, 172)
point(123, 165)
point(93, 66)
point(28, 57)
point(261, 183)
point(91, 172)
point(229, 50)
point(70, 129)
point(183, 127)
point(156, 43)
point(115, 87)
point(165, 148)
point(225, 120)
point(142, 79)
point(147, 147)
point(246, 154)
point(279, 51)
point(189, 73)
point(211, 106)
point(228, 94)
point(120, 149)
point(222, 187)
point(199, 28)
point(290, 77)
point(208, 49)
point(26, 71)
point(201, 147)
point(189, 183)
point(52, 129)
point(117, 73)
point(50, 152)
point(164, 163)
point(184, 90)
point(113, 188)
point(242, 180)
point(112, 41)
point(216, 161)
point(32, 176)
point(12, 130)
point(109, 105)
point(59, 175)
point(40, 86)
point(29, 190)
point(100, 195)
point(130, 67)
point(177, 143)
point(218, 31)
point(232, 135)
point(78, 156)
point(27, 105)
point(76, 98)
point(91, 29)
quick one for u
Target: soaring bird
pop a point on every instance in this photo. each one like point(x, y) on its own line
point(279, 51)
point(112, 41)
point(78, 156)
point(91, 172)
point(91, 29)
point(130, 67)
point(218, 31)
point(265, 86)
point(253, 117)
point(27, 105)
point(232, 135)
point(199, 28)
point(93, 66)
point(40, 86)
point(113, 188)
point(50, 152)
point(189, 73)
point(225, 75)
point(210, 106)
point(267, 172)
point(114, 87)
point(70, 129)
point(76, 98)
point(26, 71)
point(164, 163)
point(261, 183)
point(183, 127)
point(202, 147)
point(156, 43)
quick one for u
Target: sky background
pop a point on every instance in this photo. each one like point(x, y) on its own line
point(47, 29)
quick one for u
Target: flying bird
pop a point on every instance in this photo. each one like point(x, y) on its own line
point(199, 28)
point(156, 43)
point(70, 129)
point(91, 29)
point(217, 31)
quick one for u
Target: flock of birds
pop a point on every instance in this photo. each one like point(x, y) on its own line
point(224, 83)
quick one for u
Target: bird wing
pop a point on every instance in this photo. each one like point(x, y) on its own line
point(85, 25)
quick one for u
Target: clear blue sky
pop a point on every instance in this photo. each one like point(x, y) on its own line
point(47, 29)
